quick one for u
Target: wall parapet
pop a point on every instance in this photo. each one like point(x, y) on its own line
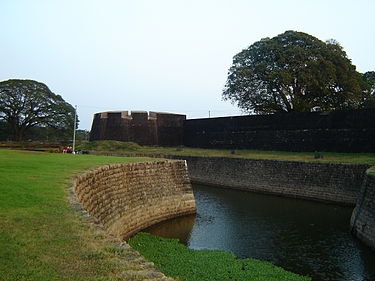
point(128, 197)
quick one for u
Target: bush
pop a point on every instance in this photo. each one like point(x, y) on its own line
point(107, 146)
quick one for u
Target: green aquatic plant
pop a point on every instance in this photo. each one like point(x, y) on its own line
point(177, 261)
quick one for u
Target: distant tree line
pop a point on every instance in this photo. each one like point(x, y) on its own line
point(43, 134)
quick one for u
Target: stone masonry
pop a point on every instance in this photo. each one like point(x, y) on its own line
point(328, 182)
point(339, 131)
point(363, 217)
point(142, 127)
point(129, 197)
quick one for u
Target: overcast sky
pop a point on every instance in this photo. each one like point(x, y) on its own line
point(161, 55)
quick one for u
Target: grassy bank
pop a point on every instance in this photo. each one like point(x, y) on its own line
point(41, 236)
point(177, 261)
point(126, 147)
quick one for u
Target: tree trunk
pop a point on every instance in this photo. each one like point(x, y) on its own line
point(17, 132)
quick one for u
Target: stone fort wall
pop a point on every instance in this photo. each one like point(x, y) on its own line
point(363, 218)
point(327, 182)
point(129, 197)
point(337, 131)
point(153, 128)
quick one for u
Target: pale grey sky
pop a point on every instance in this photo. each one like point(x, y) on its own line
point(165, 55)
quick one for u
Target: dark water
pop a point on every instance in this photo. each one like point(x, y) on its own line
point(305, 237)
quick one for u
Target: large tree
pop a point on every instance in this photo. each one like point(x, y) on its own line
point(27, 103)
point(294, 71)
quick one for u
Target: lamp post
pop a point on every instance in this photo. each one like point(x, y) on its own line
point(74, 130)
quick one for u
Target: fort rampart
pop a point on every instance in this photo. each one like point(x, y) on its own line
point(129, 197)
point(363, 217)
point(153, 128)
point(337, 131)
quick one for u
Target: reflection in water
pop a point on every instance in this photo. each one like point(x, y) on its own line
point(179, 228)
point(305, 237)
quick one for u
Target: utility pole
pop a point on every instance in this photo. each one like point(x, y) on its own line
point(74, 130)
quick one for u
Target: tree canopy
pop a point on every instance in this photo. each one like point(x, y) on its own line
point(369, 77)
point(294, 71)
point(27, 103)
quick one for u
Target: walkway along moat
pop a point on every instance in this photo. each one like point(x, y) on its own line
point(305, 237)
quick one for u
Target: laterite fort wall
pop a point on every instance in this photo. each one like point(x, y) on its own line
point(336, 183)
point(129, 197)
point(363, 217)
point(337, 131)
point(142, 127)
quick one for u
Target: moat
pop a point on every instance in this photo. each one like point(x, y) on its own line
point(308, 238)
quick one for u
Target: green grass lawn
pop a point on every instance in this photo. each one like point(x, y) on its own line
point(175, 260)
point(128, 147)
point(41, 236)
